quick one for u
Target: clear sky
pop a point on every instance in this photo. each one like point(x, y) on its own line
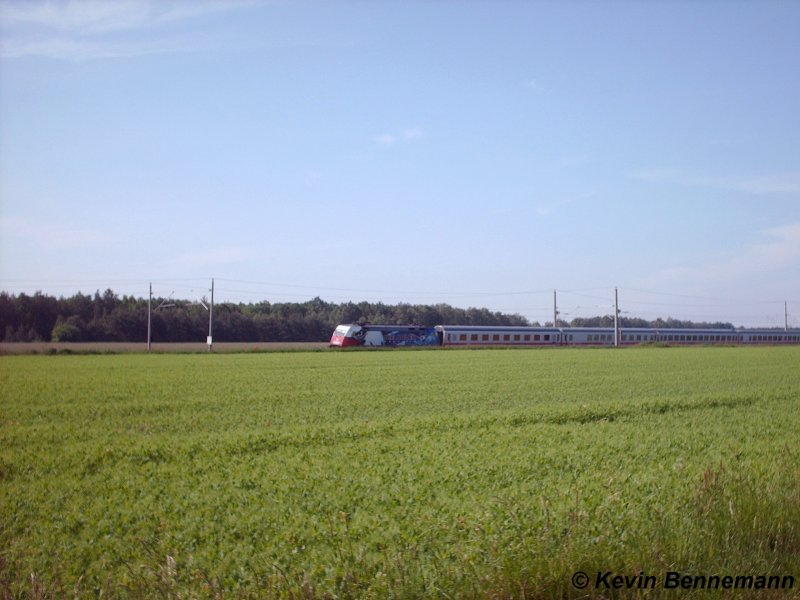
point(475, 153)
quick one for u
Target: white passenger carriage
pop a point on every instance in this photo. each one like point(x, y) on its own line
point(474, 335)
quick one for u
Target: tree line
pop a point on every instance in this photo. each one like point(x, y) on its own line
point(107, 317)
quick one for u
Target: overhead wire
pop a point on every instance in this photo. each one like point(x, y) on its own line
point(633, 305)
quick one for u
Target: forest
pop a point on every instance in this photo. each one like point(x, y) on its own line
point(107, 317)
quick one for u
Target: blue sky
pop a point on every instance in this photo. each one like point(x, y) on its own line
point(475, 153)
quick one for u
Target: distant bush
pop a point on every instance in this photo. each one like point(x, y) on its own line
point(68, 331)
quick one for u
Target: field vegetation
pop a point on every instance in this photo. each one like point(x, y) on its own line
point(406, 474)
point(133, 347)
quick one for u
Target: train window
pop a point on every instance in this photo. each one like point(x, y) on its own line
point(473, 337)
point(463, 337)
point(496, 337)
point(527, 337)
point(638, 338)
point(506, 337)
point(516, 337)
point(547, 337)
point(570, 337)
point(485, 337)
point(536, 337)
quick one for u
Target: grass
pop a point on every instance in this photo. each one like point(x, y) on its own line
point(491, 473)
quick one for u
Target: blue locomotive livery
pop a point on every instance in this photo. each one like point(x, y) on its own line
point(385, 335)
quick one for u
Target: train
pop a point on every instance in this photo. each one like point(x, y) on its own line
point(351, 335)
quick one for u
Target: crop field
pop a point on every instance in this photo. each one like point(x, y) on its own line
point(125, 347)
point(401, 474)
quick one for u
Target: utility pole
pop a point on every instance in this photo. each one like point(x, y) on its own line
point(210, 340)
point(616, 317)
point(785, 316)
point(555, 310)
point(149, 320)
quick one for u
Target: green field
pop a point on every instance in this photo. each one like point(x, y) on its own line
point(406, 474)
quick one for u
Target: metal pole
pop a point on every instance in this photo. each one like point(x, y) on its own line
point(211, 319)
point(555, 310)
point(785, 316)
point(616, 317)
point(149, 319)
